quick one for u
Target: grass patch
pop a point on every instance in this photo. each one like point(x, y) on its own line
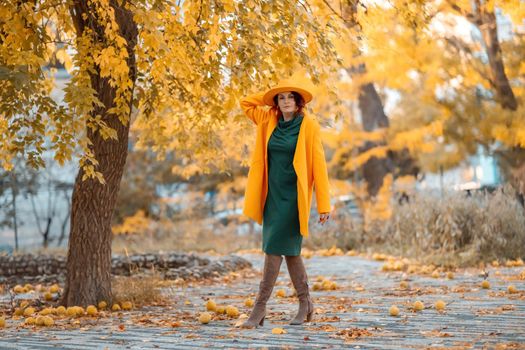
point(140, 290)
point(456, 229)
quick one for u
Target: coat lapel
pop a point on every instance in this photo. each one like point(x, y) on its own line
point(272, 123)
point(299, 159)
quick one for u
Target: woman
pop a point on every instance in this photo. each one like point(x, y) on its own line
point(288, 159)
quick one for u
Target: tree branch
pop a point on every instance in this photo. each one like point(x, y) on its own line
point(334, 11)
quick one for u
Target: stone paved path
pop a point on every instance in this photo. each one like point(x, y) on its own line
point(353, 316)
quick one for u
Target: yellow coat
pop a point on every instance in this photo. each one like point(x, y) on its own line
point(309, 164)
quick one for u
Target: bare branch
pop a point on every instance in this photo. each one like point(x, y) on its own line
point(334, 11)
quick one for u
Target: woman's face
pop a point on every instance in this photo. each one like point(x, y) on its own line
point(286, 102)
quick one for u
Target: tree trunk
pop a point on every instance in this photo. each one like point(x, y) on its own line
point(45, 234)
point(486, 23)
point(485, 20)
point(89, 254)
point(372, 112)
point(14, 193)
point(373, 117)
point(64, 222)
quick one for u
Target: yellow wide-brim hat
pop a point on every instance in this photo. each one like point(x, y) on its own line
point(288, 85)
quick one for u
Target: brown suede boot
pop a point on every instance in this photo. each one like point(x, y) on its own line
point(300, 282)
point(272, 265)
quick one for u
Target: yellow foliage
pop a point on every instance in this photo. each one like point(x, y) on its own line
point(135, 224)
point(418, 139)
point(379, 208)
point(359, 160)
point(193, 60)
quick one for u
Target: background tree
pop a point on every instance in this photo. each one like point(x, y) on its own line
point(430, 62)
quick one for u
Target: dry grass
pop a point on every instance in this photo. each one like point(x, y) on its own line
point(140, 290)
point(457, 229)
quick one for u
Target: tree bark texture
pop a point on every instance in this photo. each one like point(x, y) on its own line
point(89, 254)
point(486, 22)
point(372, 112)
point(373, 117)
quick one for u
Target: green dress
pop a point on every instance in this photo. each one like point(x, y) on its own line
point(281, 235)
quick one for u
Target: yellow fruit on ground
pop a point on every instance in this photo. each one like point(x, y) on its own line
point(307, 254)
point(440, 305)
point(46, 311)
point(403, 285)
point(29, 311)
point(91, 310)
point(319, 279)
point(412, 269)
point(2, 322)
point(127, 305)
point(40, 320)
point(204, 317)
point(48, 296)
point(418, 305)
point(435, 274)
point(19, 311)
point(398, 266)
point(30, 321)
point(115, 307)
point(18, 289)
point(48, 321)
point(24, 304)
point(281, 293)
point(28, 287)
point(333, 286)
point(232, 311)
point(220, 309)
point(248, 302)
point(450, 275)
point(394, 310)
point(79, 310)
point(71, 311)
point(61, 310)
point(278, 331)
point(327, 285)
point(317, 286)
point(485, 284)
point(102, 305)
point(54, 288)
point(211, 305)
point(512, 289)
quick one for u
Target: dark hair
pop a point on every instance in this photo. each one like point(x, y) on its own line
point(299, 102)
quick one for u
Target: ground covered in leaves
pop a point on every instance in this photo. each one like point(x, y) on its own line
point(367, 302)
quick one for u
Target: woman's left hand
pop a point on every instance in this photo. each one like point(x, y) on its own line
point(323, 217)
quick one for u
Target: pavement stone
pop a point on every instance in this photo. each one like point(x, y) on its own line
point(474, 318)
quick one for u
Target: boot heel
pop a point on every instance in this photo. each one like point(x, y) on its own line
point(261, 323)
point(309, 316)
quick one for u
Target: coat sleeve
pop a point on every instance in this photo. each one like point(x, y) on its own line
point(320, 173)
point(253, 107)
